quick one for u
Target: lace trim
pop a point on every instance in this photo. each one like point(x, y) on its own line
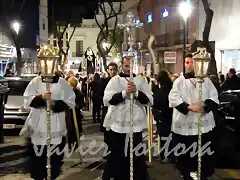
point(44, 134)
point(191, 125)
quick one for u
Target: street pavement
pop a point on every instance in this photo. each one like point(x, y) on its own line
point(14, 160)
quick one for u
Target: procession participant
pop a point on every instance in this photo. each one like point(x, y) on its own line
point(112, 70)
point(184, 99)
point(61, 97)
point(79, 101)
point(117, 121)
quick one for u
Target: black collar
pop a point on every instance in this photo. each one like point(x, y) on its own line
point(189, 75)
point(126, 75)
point(55, 79)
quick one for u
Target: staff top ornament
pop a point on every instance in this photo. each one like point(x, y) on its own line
point(46, 51)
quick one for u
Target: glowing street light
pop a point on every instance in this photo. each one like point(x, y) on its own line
point(105, 45)
point(185, 10)
point(16, 26)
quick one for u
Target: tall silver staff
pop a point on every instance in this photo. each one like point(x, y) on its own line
point(48, 57)
point(201, 60)
point(130, 26)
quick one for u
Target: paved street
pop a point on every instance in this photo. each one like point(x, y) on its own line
point(14, 160)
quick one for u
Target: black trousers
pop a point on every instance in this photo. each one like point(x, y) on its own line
point(38, 163)
point(187, 163)
point(117, 165)
point(96, 111)
point(104, 112)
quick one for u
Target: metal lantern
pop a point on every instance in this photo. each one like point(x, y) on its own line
point(48, 57)
point(201, 61)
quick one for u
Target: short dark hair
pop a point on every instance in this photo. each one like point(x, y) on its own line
point(112, 64)
point(125, 57)
point(189, 56)
point(232, 70)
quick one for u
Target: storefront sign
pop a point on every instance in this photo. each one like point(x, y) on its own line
point(170, 57)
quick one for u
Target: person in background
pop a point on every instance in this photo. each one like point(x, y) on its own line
point(60, 74)
point(79, 101)
point(220, 77)
point(232, 82)
point(174, 77)
point(112, 70)
point(96, 97)
point(70, 74)
point(161, 111)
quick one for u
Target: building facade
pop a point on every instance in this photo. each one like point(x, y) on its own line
point(225, 32)
point(43, 21)
point(82, 38)
point(163, 19)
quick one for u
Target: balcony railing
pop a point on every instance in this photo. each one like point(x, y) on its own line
point(160, 41)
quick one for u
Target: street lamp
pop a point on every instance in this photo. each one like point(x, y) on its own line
point(16, 26)
point(201, 61)
point(185, 10)
point(105, 45)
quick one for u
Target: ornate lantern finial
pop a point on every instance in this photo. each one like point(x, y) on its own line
point(48, 56)
point(201, 60)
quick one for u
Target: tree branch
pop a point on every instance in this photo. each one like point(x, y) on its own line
point(23, 3)
point(212, 68)
point(209, 16)
point(104, 32)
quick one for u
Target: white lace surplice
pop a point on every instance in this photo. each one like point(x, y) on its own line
point(118, 117)
point(36, 121)
point(187, 90)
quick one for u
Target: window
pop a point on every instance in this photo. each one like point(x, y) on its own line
point(43, 24)
point(165, 13)
point(149, 18)
point(79, 48)
point(55, 44)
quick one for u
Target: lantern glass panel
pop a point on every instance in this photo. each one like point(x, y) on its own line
point(48, 66)
point(200, 67)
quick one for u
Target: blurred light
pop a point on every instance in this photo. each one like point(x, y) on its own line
point(185, 9)
point(105, 45)
point(165, 13)
point(16, 26)
point(149, 18)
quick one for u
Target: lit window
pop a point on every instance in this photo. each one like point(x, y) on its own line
point(43, 24)
point(165, 13)
point(149, 18)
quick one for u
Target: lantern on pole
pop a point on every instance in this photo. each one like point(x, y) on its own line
point(130, 25)
point(201, 61)
point(48, 57)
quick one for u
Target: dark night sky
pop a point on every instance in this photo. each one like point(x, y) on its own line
point(28, 18)
point(63, 10)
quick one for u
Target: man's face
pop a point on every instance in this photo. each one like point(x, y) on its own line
point(230, 74)
point(126, 66)
point(189, 65)
point(112, 71)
